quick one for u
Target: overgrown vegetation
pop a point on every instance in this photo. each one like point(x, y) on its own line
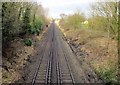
point(28, 42)
point(21, 18)
point(22, 22)
point(108, 75)
point(98, 35)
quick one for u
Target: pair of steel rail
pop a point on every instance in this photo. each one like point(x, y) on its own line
point(46, 67)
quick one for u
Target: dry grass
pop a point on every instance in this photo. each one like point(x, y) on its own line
point(101, 55)
point(16, 57)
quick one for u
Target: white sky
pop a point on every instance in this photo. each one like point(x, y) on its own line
point(56, 7)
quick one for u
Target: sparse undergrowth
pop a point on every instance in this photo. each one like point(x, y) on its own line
point(20, 53)
point(22, 23)
point(97, 35)
point(28, 42)
point(109, 75)
point(102, 59)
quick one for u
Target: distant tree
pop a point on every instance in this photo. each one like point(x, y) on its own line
point(20, 17)
point(63, 15)
point(108, 10)
point(72, 21)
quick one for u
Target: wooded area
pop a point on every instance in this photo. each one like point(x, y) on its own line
point(97, 32)
point(22, 25)
point(104, 17)
point(20, 18)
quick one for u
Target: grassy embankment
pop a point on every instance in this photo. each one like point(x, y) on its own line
point(102, 58)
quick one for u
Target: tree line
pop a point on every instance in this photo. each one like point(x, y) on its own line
point(106, 15)
point(21, 18)
point(103, 17)
point(103, 22)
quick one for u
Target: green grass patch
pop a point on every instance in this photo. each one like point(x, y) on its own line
point(109, 75)
point(28, 42)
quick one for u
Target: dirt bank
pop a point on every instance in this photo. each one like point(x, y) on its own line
point(16, 56)
point(95, 50)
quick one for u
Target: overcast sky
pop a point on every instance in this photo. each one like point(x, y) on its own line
point(56, 7)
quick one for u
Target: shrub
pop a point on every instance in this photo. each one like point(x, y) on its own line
point(108, 75)
point(28, 42)
point(32, 31)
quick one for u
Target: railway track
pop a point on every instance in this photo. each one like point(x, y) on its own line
point(43, 71)
point(66, 75)
point(50, 62)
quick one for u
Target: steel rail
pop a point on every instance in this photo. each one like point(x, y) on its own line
point(58, 69)
point(40, 60)
point(72, 78)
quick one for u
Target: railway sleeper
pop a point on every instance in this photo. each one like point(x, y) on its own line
point(65, 74)
point(64, 78)
point(40, 78)
point(41, 75)
point(42, 72)
point(67, 81)
point(39, 81)
point(43, 66)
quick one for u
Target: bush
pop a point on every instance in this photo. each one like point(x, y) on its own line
point(32, 31)
point(28, 42)
point(108, 75)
